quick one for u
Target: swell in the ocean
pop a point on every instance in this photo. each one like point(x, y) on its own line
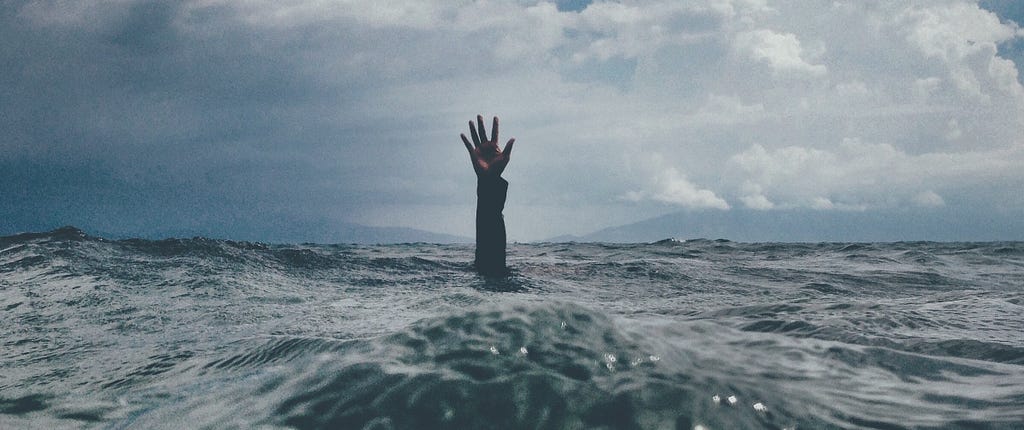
point(210, 333)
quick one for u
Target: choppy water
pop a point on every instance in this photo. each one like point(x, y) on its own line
point(208, 333)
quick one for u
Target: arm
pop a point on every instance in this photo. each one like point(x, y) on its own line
point(490, 225)
point(489, 162)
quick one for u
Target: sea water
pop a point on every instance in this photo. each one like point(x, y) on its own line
point(699, 334)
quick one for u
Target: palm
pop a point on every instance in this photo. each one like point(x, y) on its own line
point(487, 158)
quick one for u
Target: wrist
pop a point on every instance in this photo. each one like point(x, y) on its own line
point(491, 191)
point(490, 179)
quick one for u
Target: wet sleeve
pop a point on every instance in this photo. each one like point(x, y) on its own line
point(490, 225)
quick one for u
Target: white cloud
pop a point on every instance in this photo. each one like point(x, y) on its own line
point(928, 199)
point(757, 201)
point(669, 185)
point(925, 87)
point(726, 110)
point(780, 50)
point(753, 197)
point(953, 131)
point(858, 176)
point(822, 203)
point(964, 37)
point(952, 31)
point(744, 11)
point(292, 13)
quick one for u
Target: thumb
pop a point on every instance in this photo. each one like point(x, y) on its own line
point(508, 147)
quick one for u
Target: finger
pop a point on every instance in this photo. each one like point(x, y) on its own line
point(480, 128)
point(472, 131)
point(469, 146)
point(508, 147)
point(494, 131)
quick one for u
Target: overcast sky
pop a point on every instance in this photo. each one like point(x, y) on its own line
point(141, 116)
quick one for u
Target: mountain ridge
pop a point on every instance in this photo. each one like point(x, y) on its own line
point(807, 225)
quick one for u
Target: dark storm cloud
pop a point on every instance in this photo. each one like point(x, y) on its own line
point(169, 115)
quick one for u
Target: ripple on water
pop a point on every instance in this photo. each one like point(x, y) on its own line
point(151, 334)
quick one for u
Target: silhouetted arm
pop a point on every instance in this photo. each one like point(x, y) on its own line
point(490, 224)
point(489, 162)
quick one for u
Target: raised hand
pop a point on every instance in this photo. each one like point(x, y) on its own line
point(488, 160)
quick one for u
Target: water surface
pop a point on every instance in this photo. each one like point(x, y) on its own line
point(209, 333)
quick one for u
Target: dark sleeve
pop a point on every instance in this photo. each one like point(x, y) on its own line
point(490, 226)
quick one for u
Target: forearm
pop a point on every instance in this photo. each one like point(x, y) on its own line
point(491, 192)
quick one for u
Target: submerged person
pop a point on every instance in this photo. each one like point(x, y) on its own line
point(489, 162)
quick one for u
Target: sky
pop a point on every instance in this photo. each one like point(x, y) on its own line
point(139, 117)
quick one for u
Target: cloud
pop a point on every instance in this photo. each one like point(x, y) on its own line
point(343, 110)
point(928, 199)
point(668, 185)
point(965, 37)
point(859, 176)
point(782, 51)
point(752, 196)
point(726, 110)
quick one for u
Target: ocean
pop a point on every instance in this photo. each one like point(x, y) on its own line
point(697, 334)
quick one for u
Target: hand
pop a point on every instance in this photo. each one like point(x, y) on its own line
point(487, 159)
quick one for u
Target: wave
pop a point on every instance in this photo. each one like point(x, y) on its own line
point(152, 333)
point(565, 366)
point(530, 366)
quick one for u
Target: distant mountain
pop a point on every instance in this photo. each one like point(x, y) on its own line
point(743, 225)
point(565, 238)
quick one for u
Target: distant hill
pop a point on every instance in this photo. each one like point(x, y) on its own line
point(565, 238)
point(742, 225)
